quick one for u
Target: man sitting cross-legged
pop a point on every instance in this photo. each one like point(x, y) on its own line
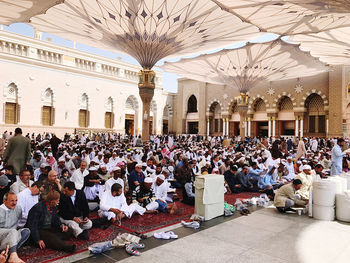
point(10, 213)
point(145, 197)
point(74, 211)
point(161, 193)
point(27, 199)
point(113, 205)
point(45, 226)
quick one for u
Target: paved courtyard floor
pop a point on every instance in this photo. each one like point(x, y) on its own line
point(263, 236)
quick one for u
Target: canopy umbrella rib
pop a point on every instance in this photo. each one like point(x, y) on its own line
point(290, 17)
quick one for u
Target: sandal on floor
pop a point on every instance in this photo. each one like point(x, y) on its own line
point(161, 235)
point(139, 245)
point(131, 250)
point(172, 235)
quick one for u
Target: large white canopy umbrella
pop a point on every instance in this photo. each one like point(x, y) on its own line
point(331, 47)
point(245, 67)
point(15, 11)
point(148, 30)
point(289, 17)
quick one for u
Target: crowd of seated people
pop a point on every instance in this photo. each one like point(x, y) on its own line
point(50, 200)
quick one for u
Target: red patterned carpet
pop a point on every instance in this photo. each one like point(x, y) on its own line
point(137, 223)
point(35, 255)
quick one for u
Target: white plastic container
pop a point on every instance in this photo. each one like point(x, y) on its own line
point(343, 206)
point(323, 212)
point(342, 184)
point(347, 177)
point(323, 192)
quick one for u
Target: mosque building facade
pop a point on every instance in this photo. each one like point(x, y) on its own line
point(310, 106)
point(50, 88)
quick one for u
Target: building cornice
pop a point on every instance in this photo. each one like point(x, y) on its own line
point(41, 53)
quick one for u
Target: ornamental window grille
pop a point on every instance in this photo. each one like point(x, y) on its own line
point(286, 104)
point(260, 106)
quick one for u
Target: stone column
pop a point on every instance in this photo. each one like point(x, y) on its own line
point(224, 127)
point(146, 91)
point(301, 127)
point(269, 127)
point(327, 123)
point(208, 127)
point(273, 126)
point(296, 126)
point(242, 105)
point(336, 94)
point(227, 127)
point(249, 127)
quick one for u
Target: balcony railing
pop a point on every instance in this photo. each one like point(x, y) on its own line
point(32, 49)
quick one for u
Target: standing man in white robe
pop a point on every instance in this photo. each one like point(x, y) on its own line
point(337, 157)
point(314, 144)
point(301, 149)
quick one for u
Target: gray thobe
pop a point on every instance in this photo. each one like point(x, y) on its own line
point(9, 235)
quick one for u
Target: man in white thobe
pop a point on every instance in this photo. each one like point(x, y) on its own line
point(23, 182)
point(78, 176)
point(337, 157)
point(27, 199)
point(301, 149)
point(314, 144)
point(117, 173)
point(306, 178)
point(113, 205)
point(290, 168)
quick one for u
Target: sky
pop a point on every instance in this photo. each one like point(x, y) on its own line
point(169, 80)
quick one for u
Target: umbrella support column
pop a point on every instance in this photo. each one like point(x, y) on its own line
point(146, 91)
point(242, 105)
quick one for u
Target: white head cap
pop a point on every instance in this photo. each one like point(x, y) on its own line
point(161, 177)
point(148, 180)
point(306, 167)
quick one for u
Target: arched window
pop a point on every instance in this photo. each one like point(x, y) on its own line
point(84, 114)
point(215, 108)
point(260, 106)
point(315, 110)
point(131, 115)
point(192, 104)
point(109, 115)
point(285, 104)
point(12, 108)
point(47, 110)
